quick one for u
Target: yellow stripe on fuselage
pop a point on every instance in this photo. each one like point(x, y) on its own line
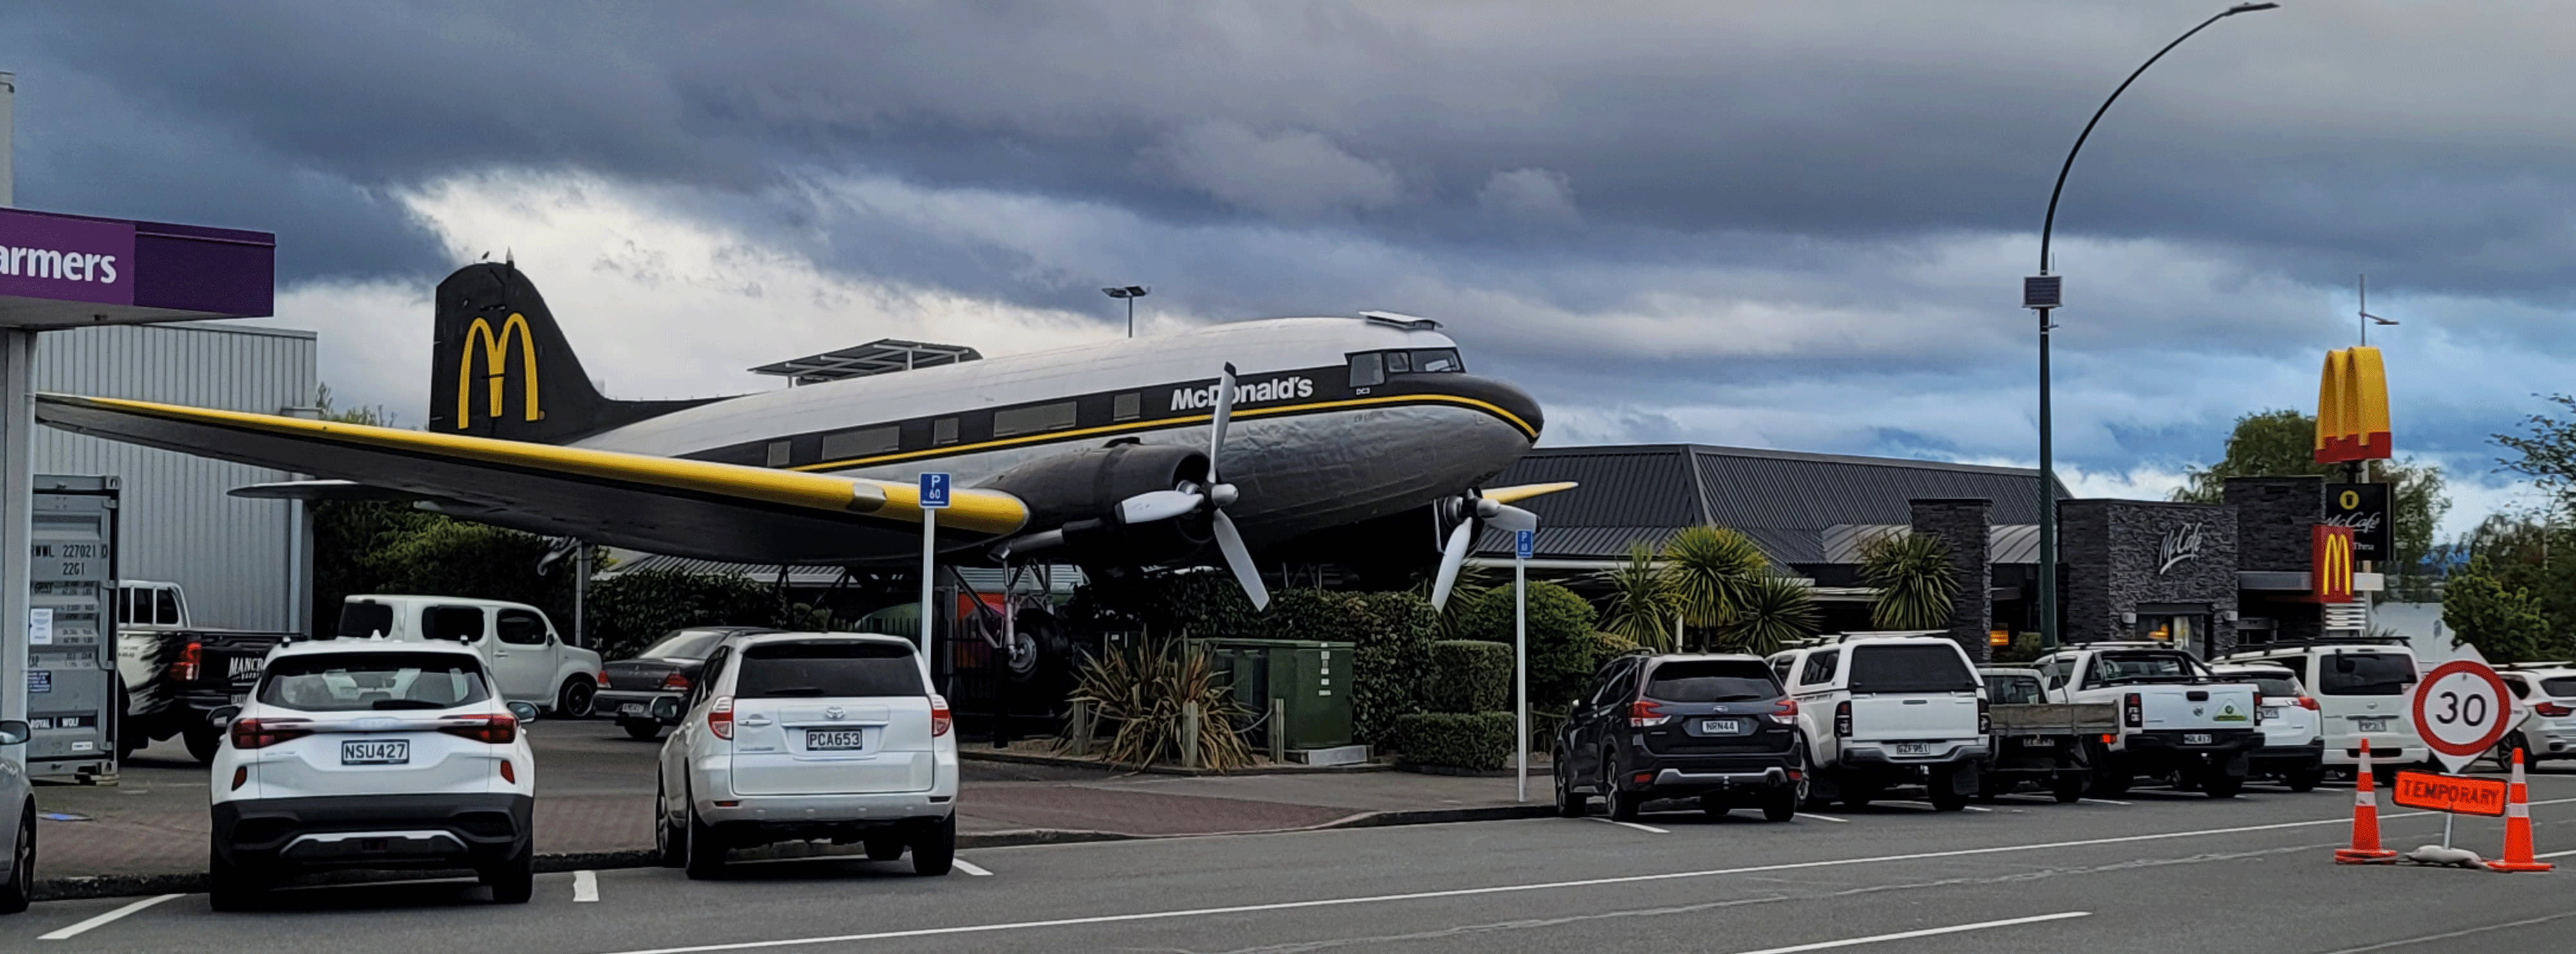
point(1160, 423)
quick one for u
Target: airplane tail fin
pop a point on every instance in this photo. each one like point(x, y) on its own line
point(501, 367)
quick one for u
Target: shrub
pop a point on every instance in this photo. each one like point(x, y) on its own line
point(1394, 661)
point(1143, 689)
point(1916, 583)
point(1468, 675)
point(1563, 652)
point(1775, 610)
point(631, 610)
point(1469, 740)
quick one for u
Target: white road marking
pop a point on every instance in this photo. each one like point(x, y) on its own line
point(83, 927)
point(2104, 801)
point(1649, 829)
point(2384, 945)
point(970, 867)
point(585, 886)
point(1974, 808)
point(1830, 818)
point(2554, 854)
point(1926, 932)
point(1511, 888)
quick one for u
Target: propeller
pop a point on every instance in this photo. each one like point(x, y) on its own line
point(1471, 510)
point(1214, 496)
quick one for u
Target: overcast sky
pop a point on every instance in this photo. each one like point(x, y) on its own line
point(1792, 225)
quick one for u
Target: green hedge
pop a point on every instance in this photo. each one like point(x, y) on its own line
point(1395, 636)
point(1468, 676)
point(1467, 740)
point(1563, 652)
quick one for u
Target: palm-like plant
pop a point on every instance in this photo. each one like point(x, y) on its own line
point(1916, 584)
point(1773, 610)
point(1712, 570)
point(1642, 603)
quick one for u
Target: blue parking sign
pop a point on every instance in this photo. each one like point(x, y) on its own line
point(934, 490)
point(1521, 543)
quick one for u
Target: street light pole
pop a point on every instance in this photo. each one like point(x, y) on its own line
point(2042, 295)
point(1130, 293)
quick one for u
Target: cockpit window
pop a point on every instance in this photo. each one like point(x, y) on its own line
point(1438, 361)
point(1372, 368)
point(1398, 362)
point(1368, 370)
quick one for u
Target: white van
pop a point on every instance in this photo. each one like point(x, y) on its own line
point(528, 661)
point(2362, 688)
point(1888, 709)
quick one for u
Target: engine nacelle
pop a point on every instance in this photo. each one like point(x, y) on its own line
point(1078, 493)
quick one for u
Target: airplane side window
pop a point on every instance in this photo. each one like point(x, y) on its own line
point(1126, 407)
point(1031, 420)
point(863, 442)
point(943, 431)
point(1397, 363)
point(1438, 361)
point(1368, 370)
point(779, 454)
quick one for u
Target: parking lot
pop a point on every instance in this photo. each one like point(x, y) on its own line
point(2152, 871)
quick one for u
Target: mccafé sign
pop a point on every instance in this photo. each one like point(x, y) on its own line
point(2330, 569)
point(2352, 408)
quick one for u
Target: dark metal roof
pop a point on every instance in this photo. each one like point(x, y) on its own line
point(1784, 500)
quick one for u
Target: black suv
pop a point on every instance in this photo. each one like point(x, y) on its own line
point(1718, 728)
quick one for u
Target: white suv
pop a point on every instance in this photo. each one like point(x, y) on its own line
point(1878, 710)
point(2549, 689)
point(799, 736)
point(2362, 688)
point(2294, 743)
point(372, 753)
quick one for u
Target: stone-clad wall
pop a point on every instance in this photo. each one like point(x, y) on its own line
point(1961, 524)
point(2116, 554)
point(2273, 515)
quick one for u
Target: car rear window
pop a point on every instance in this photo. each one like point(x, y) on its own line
point(355, 682)
point(2013, 690)
point(1711, 680)
point(2148, 666)
point(685, 644)
point(2271, 686)
point(2365, 674)
point(832, 669)
point(361, 620)
point(1910, 669)
point(2559, 688)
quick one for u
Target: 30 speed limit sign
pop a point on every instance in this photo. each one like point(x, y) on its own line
point(2463, 711)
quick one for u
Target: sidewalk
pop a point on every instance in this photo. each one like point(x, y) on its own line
point(595, 796)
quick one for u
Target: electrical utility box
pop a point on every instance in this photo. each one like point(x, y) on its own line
point(72, 684)
point(1313, 678)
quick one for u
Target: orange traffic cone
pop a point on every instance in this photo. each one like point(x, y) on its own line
point(2517, 826)
point(2365, 848)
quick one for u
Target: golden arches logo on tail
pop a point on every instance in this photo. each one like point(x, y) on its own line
point(495, 349)
point(2330, 573)
point(2352, 408)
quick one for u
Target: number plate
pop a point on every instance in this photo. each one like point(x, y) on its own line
point(631, 709)
point(1914, 748)
point(1720, 726)
point(2038, 742)
point(2195, 738)
point(834, 740)
point(2271, 712)
point(2372, 725)
point(376, 752)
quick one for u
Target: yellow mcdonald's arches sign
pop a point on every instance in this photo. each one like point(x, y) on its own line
point(2330, 573)
point(495, 349)
point(2352, 408)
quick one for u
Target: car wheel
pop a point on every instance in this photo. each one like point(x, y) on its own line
point(203, 744)
point(1623, 804)
point(884, 847)
point(514, 881)
point(227, 888)
point(669, 840)
point(573, 702)
point(1569, 803)
point(21, 887)
point(934, 847)
point(704, 850)
point(1782, 803)
point(2304, 780)
point(2503, 753)
point(2109, 782)
point(2068, 787)
point(1858, 795)
point(1944, 794)
point(641, 730)
point(2219, 784)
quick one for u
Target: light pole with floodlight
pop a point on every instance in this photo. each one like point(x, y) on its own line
point(1130, 293)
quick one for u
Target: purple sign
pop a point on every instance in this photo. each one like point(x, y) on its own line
point(66, 259)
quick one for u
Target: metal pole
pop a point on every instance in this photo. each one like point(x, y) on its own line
point(580, 588)
point(17, 527)
point(1131, 316)
point(929, 601)
point(8, 173)
point(1520, 676)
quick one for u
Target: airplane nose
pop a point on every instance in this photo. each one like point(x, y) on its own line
point(1510, 399)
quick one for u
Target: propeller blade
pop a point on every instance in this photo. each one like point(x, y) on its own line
point(1507, 517)
point(1239, 559)
point(1452, 557)
point(1154, 505)
point(1216, 423)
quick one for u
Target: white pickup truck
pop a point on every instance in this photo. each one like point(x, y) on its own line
point(1883, 709)
point(2176, 718)
point(528, 661)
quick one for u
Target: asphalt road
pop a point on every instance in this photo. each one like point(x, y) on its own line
point(2165, 872)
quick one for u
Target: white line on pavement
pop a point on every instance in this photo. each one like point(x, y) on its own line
point(1974, 808)
point(1649, 829)
point(585, 886)
point(83, 927)
point(1830, 818)
point(1926, 932)
point(2555, 854)
point(2384, 945)
point(1514, 888)
point(2104, 801)
point(970, 867)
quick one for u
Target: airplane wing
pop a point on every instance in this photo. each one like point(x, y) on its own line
point(709, 510)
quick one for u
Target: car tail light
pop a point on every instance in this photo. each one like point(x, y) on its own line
point(495, 729)
point(191, 661)
point(603, 679)
point(1985, 720)
point(1786, 713)
point(2133, 712)
point(2308, 702)
point(2552, 710)
point(262, 733)
point(2108, 738)
point(1644, 713)
point(720, 718)
point(509, 774)
point(676, 682)
point(940, 722)
point(1842, 720)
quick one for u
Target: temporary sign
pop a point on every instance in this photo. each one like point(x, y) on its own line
point(2364, 508)
point(2450, 793)
point(2330, 568)
point(2463, 710)
point(934, 490)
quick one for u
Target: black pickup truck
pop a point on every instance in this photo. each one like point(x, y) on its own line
point(176, 675)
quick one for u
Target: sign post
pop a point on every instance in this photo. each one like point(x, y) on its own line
point(2463, 710)
point(934, 498)
point(1521, 546)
